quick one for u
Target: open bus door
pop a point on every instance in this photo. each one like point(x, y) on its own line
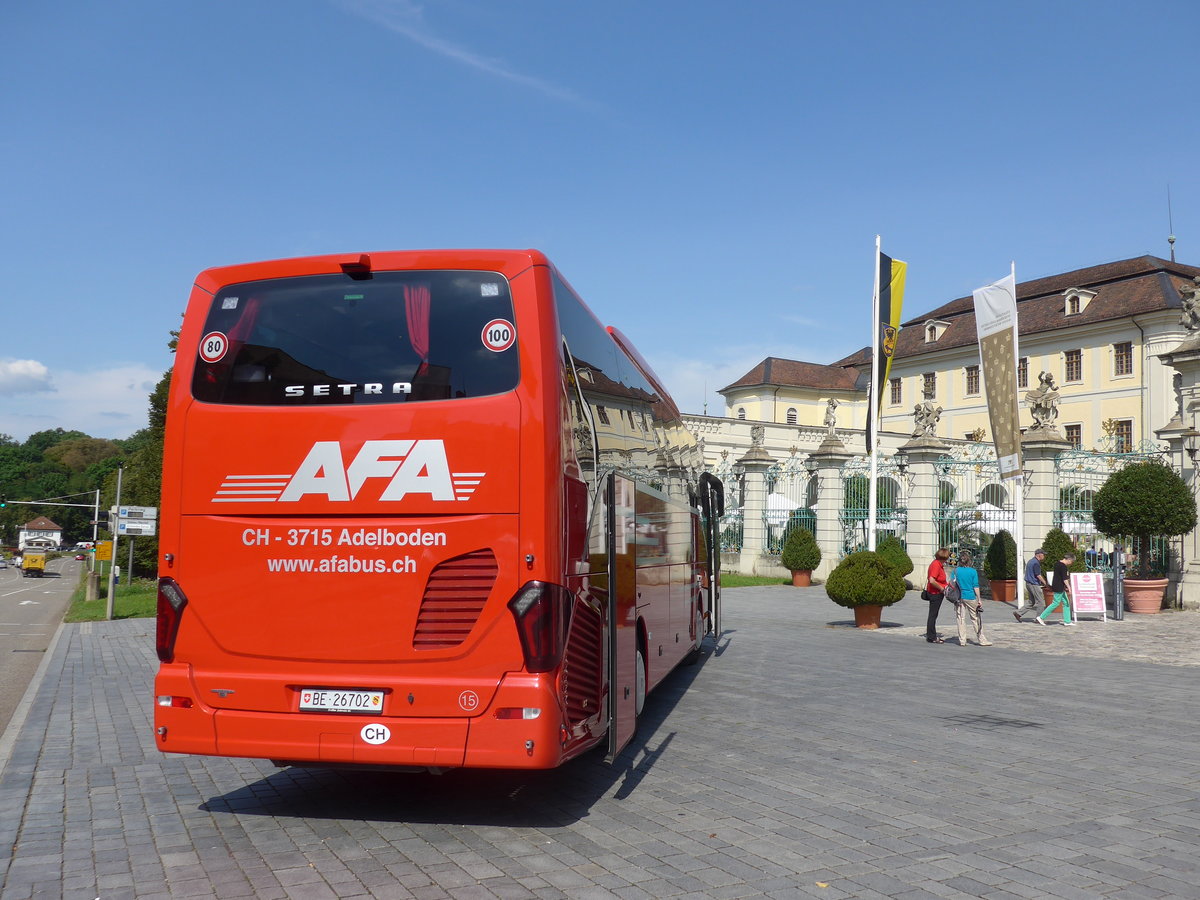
point(622, 617)
point(712, 504)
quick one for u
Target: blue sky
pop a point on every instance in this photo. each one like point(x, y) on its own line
point(709, 175)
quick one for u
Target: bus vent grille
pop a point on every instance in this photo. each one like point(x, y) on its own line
point(584, 659)
point(454, 597)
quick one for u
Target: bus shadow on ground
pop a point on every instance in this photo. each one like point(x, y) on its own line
point(473, 796)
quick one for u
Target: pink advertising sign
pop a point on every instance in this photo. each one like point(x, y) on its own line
point(1087, 593)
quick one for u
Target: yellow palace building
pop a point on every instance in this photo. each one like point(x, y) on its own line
point(1097, 332)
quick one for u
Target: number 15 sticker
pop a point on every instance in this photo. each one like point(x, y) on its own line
point(499, 335)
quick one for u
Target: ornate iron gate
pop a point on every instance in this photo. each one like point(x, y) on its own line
point(1080, 474)
point(973, 504)
point(791, 501)
point(891, 512)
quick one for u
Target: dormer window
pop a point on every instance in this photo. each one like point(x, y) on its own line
point(934, 329)
point(1076, 300)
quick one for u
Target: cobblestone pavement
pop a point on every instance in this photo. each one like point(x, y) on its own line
point(801, 758)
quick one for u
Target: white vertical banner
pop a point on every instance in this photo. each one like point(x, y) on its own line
point(996, 328)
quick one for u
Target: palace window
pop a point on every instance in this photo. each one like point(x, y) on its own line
point(896, 396)
point(1074, 366)
point(1123, 432)
point(741, 412)
point(929, 385)
point(972, 380)
point(1023, 372)
point(1123, 358)
point(603, 414)
point(791, 415)
point(1074, 435)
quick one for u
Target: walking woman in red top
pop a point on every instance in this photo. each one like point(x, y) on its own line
point(935, 587)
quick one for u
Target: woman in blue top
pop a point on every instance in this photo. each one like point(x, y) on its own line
point(971, 604)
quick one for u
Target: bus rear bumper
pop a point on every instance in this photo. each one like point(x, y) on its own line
point(492, 739)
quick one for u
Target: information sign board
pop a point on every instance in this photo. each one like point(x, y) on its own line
point(138, 512)
point(1087, 594)
point(136, 527)
point(103, 550)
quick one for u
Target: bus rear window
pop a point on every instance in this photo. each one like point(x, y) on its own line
point(332, 339)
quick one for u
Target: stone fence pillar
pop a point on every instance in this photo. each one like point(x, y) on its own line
point(922, 537)
point(1039, 451)
point(754, 465)
point(829, 459)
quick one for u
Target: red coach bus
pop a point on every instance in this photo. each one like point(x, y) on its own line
point(420, 510)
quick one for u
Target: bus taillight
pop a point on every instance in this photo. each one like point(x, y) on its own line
point(171, 601)
point(542, 612)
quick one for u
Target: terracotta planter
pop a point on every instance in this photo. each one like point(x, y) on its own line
point(868, 615)
point(801, 577)
point(1005, 591)
point(1145, 596)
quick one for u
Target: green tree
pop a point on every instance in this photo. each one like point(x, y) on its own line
point(1057, 545)
point(1000, 562)
point(891, 549)
point(864, 578)
point(1144, 500)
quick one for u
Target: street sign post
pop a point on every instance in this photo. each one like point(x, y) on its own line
point(103, 550)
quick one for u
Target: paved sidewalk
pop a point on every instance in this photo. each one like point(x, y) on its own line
point(801, 758)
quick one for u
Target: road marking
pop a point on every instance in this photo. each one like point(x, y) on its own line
point(29, 603)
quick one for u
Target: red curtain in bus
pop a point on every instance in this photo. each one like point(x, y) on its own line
point(416, 312)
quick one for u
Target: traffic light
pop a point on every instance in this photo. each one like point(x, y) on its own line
point(3, 502)
point(102, 520)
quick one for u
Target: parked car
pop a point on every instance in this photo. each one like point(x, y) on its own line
point(3, 563)
point(80, 556)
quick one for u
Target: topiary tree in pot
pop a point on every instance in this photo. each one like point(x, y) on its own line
point(865, 582)
point(1058, 544)
point(1144, 500)
point(801, 555)
point(891, 549)
point(1000, 566)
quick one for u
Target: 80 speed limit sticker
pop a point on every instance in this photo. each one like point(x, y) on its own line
point(499, 335)
point(213, 346)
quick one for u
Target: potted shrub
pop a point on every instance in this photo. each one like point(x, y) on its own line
point(1000, 566)
point(891, 549)
point(1144, 500)
point(1057, 545)
point(801, 555)
point(865, 582)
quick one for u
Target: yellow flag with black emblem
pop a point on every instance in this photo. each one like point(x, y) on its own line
point(890, 298)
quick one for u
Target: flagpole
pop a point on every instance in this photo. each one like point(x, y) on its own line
point(1019, 481)
point(872, 405)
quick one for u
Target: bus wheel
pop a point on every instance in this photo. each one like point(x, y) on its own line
point(639, 690)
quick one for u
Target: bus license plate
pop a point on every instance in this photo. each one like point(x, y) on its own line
point(325, 700)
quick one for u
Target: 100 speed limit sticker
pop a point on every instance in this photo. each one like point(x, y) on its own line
point(498, 335)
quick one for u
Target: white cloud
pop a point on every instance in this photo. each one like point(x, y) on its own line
point(23, 376)
point(406, 18)
point(109, 403)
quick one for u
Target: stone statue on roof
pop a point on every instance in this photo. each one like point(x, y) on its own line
point(1189, 294)
point(925, 417)
point(1043, 402)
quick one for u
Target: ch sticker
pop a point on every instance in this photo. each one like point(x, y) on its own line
point(376, 733)
point(213, 346)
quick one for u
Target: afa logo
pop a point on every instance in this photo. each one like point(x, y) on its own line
point(398, 468)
